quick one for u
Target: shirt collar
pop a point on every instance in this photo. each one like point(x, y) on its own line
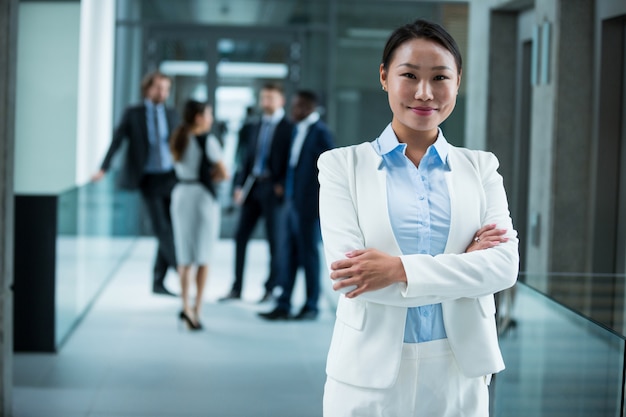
point(274, 118)
point(387, 142)
point(150, 104)
point(309, 120)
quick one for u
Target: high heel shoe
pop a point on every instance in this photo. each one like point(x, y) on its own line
point(190, 323)
point(197, 316)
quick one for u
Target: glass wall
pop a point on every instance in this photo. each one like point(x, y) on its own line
point(93, 238)
point(333, 47)
point(559, 362)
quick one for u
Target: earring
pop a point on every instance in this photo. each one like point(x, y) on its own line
point(383, 87)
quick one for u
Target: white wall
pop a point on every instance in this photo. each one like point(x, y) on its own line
point(64, 93)
point(95, 85)
point(46, 97)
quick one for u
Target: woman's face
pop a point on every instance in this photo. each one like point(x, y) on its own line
point(204, 120)
point(422, 82)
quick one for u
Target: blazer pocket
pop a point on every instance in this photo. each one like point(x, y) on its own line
point(351, 313)
point(487, 305)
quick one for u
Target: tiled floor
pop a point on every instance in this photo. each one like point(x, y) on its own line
point(130, 358)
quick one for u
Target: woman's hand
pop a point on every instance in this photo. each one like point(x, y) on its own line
point(367, 270)
point(370, 269)
point(487, 237)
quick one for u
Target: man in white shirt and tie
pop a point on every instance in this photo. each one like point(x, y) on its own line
point(299, 234)
point(258, 184)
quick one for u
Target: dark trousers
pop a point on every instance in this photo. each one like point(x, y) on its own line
point(156, 191)
point(261, 202)
point(298, 246)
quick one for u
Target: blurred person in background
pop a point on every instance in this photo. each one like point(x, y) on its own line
point(195, 210)
point(259, 182)
point(148, 165)
point(299, 223)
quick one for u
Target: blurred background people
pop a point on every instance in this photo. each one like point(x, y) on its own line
point(298, 231)
point(195, 210)
point(258, 181)
point(245, 134)
point(148, 166)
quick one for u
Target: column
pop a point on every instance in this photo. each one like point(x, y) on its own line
point(8, 42)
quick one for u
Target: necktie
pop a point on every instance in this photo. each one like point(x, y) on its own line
point(259, 166)
point(157, 135)
point(290, 168)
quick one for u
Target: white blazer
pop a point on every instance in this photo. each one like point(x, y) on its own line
point(368, 336)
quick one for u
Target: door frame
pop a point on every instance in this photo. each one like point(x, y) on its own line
point(213, 33)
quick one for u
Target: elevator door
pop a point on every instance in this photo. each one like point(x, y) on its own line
point(610, 217)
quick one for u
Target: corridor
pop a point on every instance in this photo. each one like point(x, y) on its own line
point(130, 357)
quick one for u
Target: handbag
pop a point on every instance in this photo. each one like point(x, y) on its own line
point(205, 176)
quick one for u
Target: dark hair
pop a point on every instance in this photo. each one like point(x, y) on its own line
point(308, 96)
point(421, 29)
point(149, 79)
point(180, 137)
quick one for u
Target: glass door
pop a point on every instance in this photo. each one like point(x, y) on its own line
point(225, 67)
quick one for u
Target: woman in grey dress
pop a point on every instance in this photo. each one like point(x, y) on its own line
point(195, 211)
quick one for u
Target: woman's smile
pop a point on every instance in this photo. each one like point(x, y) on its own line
point(423, 110)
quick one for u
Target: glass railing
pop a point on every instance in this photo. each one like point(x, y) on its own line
point(67, 246)
point(96, 227)
point(564, 351)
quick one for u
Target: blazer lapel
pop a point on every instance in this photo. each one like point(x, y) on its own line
point(464, 212)
point(372, 194)
point(143, 125)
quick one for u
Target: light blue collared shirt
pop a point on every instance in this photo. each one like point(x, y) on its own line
point(419, 209)
point(157, 161)
point(263, 149)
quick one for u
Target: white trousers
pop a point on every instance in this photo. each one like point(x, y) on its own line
point(429, 384)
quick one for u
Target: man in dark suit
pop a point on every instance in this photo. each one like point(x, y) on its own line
point(245, 135)
point(148, 166)
point(299, 228)
point(259, 181)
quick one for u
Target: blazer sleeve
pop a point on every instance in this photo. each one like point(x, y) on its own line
point(431, 279)
point(120, 133)
point(338, 214)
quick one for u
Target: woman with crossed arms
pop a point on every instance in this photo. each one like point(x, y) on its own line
point(418, 238)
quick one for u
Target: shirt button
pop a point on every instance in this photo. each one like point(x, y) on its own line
point(421, 197)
